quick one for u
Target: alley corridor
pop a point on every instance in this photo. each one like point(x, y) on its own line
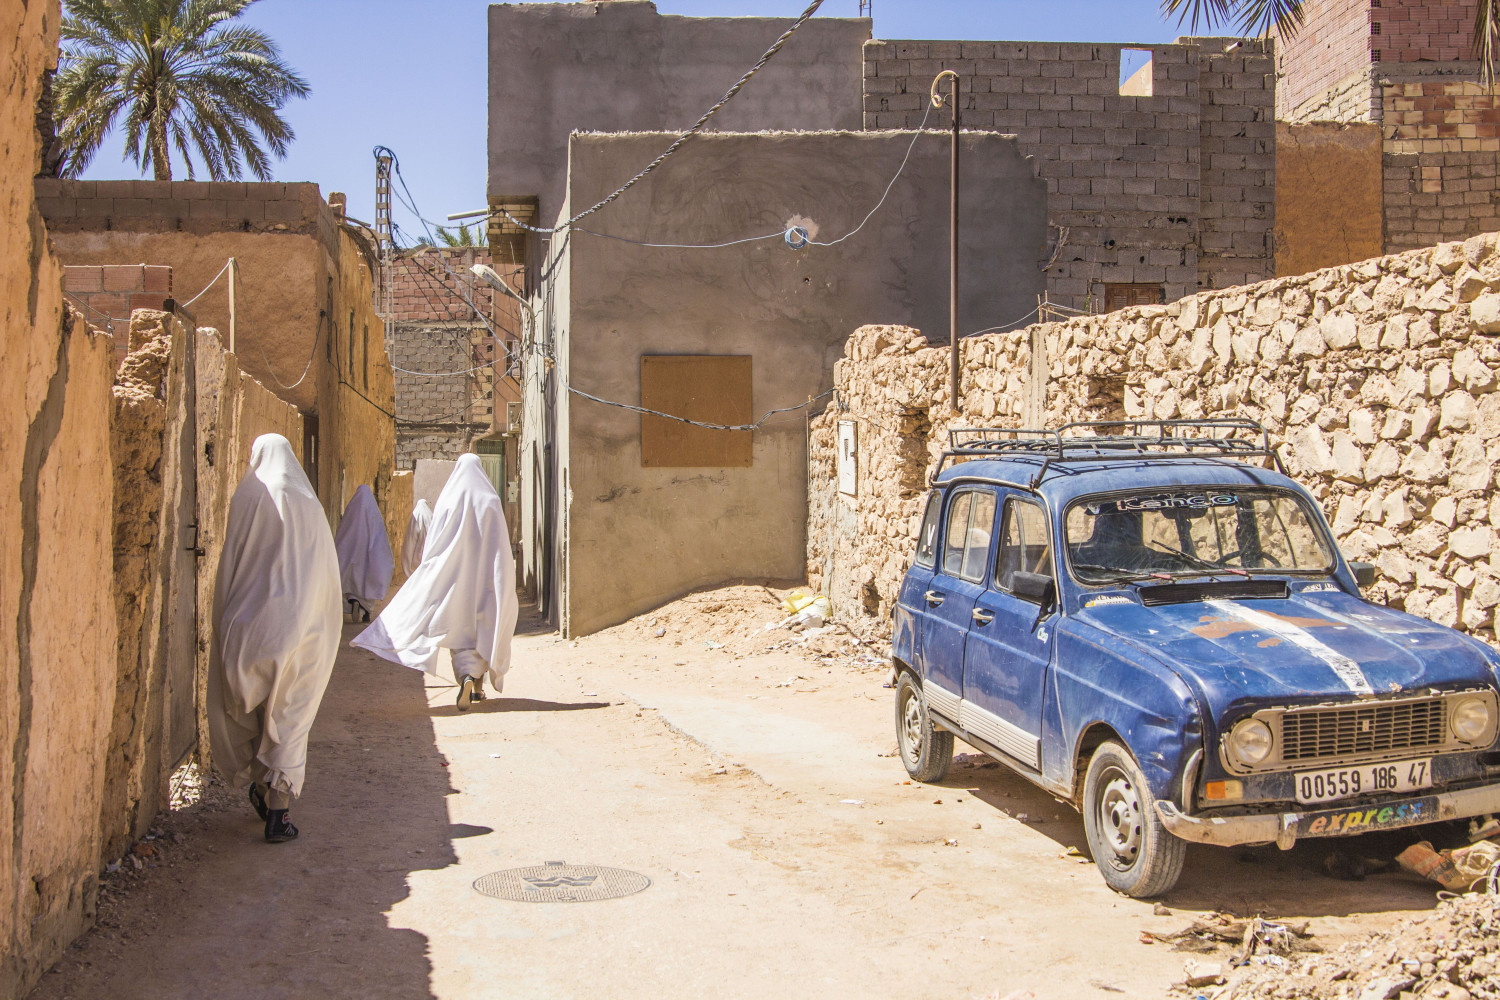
point(786, 853)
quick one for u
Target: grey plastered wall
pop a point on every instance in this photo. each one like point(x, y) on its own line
point(633, 538)
point(557, 68)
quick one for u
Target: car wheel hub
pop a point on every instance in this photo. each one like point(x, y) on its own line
point(912, 727)
point(1120, 818)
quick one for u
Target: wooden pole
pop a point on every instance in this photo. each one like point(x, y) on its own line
point(234, 274)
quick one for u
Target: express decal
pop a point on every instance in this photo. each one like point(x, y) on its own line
point(1341, 823)
point(1191, 501)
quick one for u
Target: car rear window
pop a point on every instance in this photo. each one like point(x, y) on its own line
point(1186, 532)
point(927, 540)
point(966, 548)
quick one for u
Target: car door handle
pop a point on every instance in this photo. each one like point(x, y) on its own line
point(982, 616)
point(933, 598)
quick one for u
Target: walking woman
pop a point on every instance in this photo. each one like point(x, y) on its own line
point(462, 597)
point(277, 623)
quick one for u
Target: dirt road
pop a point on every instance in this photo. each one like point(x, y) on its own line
point(758, 791)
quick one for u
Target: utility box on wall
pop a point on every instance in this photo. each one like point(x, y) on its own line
point(848, 467)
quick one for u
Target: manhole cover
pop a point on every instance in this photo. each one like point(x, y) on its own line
point(556, 882)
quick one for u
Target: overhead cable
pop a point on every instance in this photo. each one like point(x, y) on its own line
point(698, 423)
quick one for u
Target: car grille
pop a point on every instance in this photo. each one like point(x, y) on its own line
point(1313, 734)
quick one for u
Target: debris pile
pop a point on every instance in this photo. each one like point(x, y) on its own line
point(1452, 953)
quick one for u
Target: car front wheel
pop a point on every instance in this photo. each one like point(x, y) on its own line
point(925, 750)
point(1134, 852)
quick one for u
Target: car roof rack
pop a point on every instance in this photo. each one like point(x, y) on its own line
point(1090, 440)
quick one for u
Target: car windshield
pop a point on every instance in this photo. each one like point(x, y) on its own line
point(1192, 532)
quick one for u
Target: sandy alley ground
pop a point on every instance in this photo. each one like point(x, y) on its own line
point(756, 787)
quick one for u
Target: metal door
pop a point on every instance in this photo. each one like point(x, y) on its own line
point(949, 602)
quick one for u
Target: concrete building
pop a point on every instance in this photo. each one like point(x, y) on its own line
point(304, 321)
point(1387, 140)
point(624, 511)
point(1096, 181)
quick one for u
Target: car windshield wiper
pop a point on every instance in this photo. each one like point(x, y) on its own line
point(1121, 574)
point(1199, 561)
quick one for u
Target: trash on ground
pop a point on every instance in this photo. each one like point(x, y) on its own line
point(1456, 870)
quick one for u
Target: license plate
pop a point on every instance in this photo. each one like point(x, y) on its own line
point(1347, 782)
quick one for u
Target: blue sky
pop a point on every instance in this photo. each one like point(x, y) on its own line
point(411, 75)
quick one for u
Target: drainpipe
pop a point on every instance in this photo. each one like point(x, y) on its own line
point(937, 102)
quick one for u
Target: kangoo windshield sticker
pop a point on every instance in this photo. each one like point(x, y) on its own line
point(1098, 602)
point(1161, 501)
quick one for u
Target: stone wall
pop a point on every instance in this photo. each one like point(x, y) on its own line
point(1174, 189)
point(57, 626)
point(1378, 379)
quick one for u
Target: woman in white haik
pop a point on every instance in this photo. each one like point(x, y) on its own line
point(365, 559)
point(463, 595)
point(416, 537)
point(277, 624)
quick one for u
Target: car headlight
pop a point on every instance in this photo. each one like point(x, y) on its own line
point(1249, 742)
point(1470, 719)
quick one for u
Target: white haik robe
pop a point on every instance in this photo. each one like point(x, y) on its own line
point(277, 622)
point(463, 595)
point(416, 537)
point(365, 559)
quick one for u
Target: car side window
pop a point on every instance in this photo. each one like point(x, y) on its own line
point(927, 540)
point(981, 527)
point(958, 530)
point(1024, 546)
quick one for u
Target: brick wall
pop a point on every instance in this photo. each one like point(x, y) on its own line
point(107, 294)
point(1325, 67)
point(1126, 176)
point(436, 330)
point(1422, 30)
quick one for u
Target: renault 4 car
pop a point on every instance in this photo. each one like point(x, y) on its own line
point(1152, 622)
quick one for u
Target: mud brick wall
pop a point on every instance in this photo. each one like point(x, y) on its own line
point(1377, 381)
point(57, 644)
point(1134, 181)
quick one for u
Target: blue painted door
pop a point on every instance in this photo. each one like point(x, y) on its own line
point(1010, 641)
point(963, 566)
point(911, 604)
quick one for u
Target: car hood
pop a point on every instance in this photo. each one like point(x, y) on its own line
point(1318, 643)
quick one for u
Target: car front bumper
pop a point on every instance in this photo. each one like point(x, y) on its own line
point(1286, 828)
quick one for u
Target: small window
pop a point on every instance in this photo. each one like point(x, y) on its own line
point(927, 540)
point(958, 531)
point(981, 527)
point(1135, 73)
point(1024, 546)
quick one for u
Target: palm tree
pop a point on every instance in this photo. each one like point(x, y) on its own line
point(1284, 17)
point(182, 75)
point(458, 236)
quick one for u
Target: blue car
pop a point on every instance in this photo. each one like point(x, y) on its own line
point(1154, 628)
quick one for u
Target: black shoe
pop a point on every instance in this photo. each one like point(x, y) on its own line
point(258, 800)
point(468, 693)
point(279, 828)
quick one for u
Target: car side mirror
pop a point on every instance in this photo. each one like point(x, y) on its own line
point(1364, 574)
point(1037, 588)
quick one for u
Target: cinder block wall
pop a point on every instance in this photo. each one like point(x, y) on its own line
point(1175, 189)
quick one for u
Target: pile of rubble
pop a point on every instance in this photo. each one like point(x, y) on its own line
point(744, 620)
point(1452, 953)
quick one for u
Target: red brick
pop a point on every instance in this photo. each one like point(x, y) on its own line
point(123, 277)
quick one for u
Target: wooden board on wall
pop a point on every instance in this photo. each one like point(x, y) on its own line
point(715, 389)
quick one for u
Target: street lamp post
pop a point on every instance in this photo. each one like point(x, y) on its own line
point(937, 102)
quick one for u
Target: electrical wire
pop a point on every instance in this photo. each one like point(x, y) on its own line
point(206, 287)
point(317, 333)
point(698, 423)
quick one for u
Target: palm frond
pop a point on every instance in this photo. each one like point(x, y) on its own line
point(1261, 18)
point(173, 74)
point(1486, 28)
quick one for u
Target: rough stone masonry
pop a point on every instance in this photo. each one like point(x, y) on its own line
point(1377, 379)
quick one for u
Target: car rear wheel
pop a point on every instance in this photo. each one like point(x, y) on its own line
point(1134, 852)
point(925, 750)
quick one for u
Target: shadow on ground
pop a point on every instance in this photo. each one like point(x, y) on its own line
point(228, 916)
point(1241, 880)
